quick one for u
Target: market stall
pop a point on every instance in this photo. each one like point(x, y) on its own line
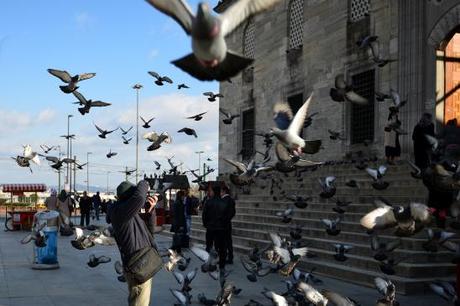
point(20, 209)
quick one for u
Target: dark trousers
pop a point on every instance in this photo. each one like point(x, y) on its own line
point(96, 209)
point(219, 237)
point(84, 216)
point(209, 240)
point(229, 244)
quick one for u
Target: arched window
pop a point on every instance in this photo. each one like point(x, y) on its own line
point(359, 9)
point(249, 44)
point(295, 24)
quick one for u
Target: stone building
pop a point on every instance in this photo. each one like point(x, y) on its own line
point(301, 45)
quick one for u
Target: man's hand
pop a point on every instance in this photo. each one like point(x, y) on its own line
point(152, 202)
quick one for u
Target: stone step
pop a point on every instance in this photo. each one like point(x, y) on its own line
point(357, 199)
point(325, 207)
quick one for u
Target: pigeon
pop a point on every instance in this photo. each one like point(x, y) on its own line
point(119, 270)
point(246, 173)
point(160, 79)
point(309, 120)
point(290, 257)
point(209, 259)
point(228, 116)
point(286, 215)
point(31, 155)
point(328, 187)
point(71, 81)
point(377, 176)
point(157, 140)
point(211, 60)
point(312, 295)
point(58, 163)
point(256, 269)
point(95, 261)
point(128, 172)
point(387, 289)
point(299, 201)
point(80, 167)
point(188, 131)
point(158, 165)
point(104, 133)
point(288, 129)
point(445, 290)
point(212, 96)
point(306, 277)
point(197, 117)
point(333, 135)
point(380, 96)
point(47, 149)
point(365, 42)
point(416, 171)
point(111, 154)
point(336, 299)
point(97, 237)
point(180, 297)
point(332, 226)
point(340, 251)
point(182, 86)
point(185, 280)
point(146, 122)
point(225, 294)
point(407, 220)
point(436, 238)
point(37, 235)
point(126, 141)
point(87, 104)
point(388, 266)
point(277, 300)
point(382, 249)
point(377, 56)
point(174, 259)
point(124, 132)
point(343, 92)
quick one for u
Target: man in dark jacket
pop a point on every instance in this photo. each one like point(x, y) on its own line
point(421, 145)
point(217, 216)
point(225, 194)
point(97, 204)
point(85, 208)
point(131, 233)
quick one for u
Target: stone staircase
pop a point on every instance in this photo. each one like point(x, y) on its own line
point(255, 218)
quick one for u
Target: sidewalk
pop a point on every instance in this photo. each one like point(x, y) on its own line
point(77, 284)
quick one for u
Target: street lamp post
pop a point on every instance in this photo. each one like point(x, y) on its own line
point(87, 170)
point(68, 147)
point(137, 87)
point(199, 161)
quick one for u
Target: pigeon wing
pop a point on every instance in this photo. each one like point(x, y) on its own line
point(99, 103)
point(64, 76)
point(240, 11)
point(276, 239)
point(177, 294)
point(179, 10)
point(336, 299)
point(340, 82)
point(179, 277)
point(420, 212)
point(200, 253)
point(381, 285)
point(300, 251)
point(379, 218)
point(224, 112)
point(80, 97)
point(240, 166)
point(373, 173)
point(283, 253)
point(355, 98)
point(282, 153)
point(99, 129)
point(297, 123)
point(86, 76)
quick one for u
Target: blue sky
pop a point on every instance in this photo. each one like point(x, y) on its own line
point(120, 41)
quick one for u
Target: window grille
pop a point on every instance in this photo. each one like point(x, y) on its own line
point(249, 43)
point(359, 9)
point(296, 24)
point(248, 134)
point(362, 116)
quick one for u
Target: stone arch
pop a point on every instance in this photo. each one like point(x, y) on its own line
point(446, 26)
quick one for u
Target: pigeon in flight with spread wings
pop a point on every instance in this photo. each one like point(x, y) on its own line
point(160, 80)
point(87, 104)
point(71, 81)
point(343, 92)
point(211, 60)
point(289, 128)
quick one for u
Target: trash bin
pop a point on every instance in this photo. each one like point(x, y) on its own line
point(46, 257)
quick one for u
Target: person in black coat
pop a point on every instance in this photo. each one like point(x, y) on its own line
point(225, 195)
point(421, 145)
point(217, 215)
point(178, 224)
point(85, 208)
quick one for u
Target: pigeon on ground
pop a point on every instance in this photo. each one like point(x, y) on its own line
point(71, 81)
point(124, 132)
point(377, 176)
point(343, 92)
point(87, 104)
point(160, 80)
point(47, 149)
point(146, 124)
point(157, 140)
point(445, 290)
point(386, 288)
point(119, 270)
point(286, 215)
point(126, 141)
point(185, 280)
point(277, 300)
point(182, 86)
point(181, 297)
point(255, 268)
point(173, 260)
point(312, 295)
point(95, 261)
point(289, 128)
point(212, 97)
point(388, 266)
point(104, 133)
point(299, 201)
point(337, 299)
point(333, 135)
point(436, 237)
point(209, 259)
point(197, 117)
point(341, 250)
point(328, 188)
point(211, 60)
point(111, 154)
point(382, 249)
point(332, 226)
point(228, 117)
point(188, 131)
point(306, 277)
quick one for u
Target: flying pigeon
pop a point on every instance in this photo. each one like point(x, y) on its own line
point(95, 261)
point(312, 295)
point(111, 154)
point(37, 235)
point(157, 164)
point(47, 149)
point(333, 135)
point(212, 96)
point(197, 117)
point(181, 86)
point(211, 60)
point(337, 299)
point(256, 269)
point(160, 79)
point(290, 257)
point(288, 129)
point(377, 176)
point(343, 92)
point(71, 81)
point(377, 56)
point(87, 104)
point(228, 116)
point(146, 122)
point(157, 140)
point(124, 132)
point(188, 131)
point(126, 141)
point(104, 133)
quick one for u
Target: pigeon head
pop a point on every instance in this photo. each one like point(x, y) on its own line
point(205, 25)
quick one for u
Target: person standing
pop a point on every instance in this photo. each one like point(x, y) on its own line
point(421, 145)
point(131, 234)
point(225, 195)
point(209, 238)
point(178, 224)
point(217, 217)
point(391, 139)
point(85, 208)
point(97, 204)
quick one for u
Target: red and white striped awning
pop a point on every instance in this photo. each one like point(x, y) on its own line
point(23, 187)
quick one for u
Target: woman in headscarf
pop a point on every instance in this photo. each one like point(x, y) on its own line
point(391, 139)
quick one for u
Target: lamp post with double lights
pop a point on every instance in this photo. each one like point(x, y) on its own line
point(137, 87)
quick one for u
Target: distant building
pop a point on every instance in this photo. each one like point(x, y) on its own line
point(301, 45)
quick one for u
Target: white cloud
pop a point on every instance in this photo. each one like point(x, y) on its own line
point(46, 116)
